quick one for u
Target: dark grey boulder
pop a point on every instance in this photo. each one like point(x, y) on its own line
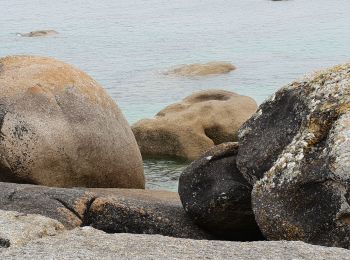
point(298, 145)
point(263, 137)
point(217, 197)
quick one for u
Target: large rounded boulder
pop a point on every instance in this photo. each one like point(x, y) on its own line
point(217, 197)
point(187, 129)
point(296, 150)
point(58, 127)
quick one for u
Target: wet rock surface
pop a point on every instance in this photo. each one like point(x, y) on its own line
point(111, 210)
point(217, 197)
point(88, 243)
point(303, 195)
point(187, 129)
point(58, 127)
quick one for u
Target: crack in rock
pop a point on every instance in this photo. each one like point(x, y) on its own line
point(67, 206)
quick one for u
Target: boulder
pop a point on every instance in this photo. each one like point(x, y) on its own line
point(297, 153)
point(187, 129)
point(205, 69)
point(58, 127)
point(18, 229)
point(111, 210)
point(89, 243)
point(217, 197)
point(39, 33)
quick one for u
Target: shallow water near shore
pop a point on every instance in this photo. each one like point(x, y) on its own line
point(126, 45)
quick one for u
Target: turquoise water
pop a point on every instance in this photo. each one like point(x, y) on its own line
point(127, 44)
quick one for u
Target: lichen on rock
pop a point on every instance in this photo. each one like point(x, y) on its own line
point(302, 179)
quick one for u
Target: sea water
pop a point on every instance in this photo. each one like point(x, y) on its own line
point(126, 45)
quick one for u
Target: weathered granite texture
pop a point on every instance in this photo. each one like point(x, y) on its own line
point(59, 127)
point(296, 149)
point(18, 229)
point(88, 243)
point(141, 212)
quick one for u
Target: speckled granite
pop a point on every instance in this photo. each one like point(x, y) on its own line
point(88, 243)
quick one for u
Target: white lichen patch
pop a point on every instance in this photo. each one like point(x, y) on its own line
point(243, 131)
point(340, 149)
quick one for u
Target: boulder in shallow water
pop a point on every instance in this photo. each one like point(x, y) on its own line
point(302, 161)
point(187, 129)
point(210, 68)
point(39, 33)
point(58, 127)
point(217, 197)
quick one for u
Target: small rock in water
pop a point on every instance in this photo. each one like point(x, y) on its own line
point(39, 33)
point(210, 68)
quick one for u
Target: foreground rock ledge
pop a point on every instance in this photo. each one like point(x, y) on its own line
point(88, 243)
point(17, 229)
point(111, 210)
